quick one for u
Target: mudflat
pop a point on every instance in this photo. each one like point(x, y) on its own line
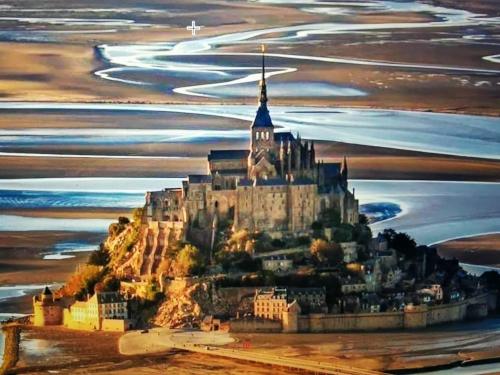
point(480, 250)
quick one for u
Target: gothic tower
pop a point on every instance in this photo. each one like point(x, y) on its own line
point(262, 126)
point(344, 174)
point(262, 157)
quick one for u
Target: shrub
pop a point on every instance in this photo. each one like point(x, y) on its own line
point(362, 234)
point(238, 240)
point(123, 220)
point(401, 242)
point(342, 235)
point(240, 260)
point(331, 217)
point(263, 242)
point(326, 252)
point(137, 215)
point(278, 244)
point(83, 281)
point(99, 257)
point(303, 241)
point(189, 261)
point(363, 219)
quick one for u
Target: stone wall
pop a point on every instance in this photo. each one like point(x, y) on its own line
point(350, 322)
point(47, 315)
point(237, 299)
point(86, 325)
point(255, 325)
point(114, 325)
point(413, 317)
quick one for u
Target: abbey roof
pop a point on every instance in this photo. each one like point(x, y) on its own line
point(227, 154)
point(331, 169)
point(285, 137)
point(199, 178)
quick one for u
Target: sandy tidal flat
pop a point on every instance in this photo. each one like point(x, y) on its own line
point(480, 250)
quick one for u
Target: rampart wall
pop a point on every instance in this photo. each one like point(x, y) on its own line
point(255, 325)
point(414, 317)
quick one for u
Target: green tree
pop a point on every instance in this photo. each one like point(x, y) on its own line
point(342, 235)
point(363, 219)
point(326, 252)
point(401, 242)
point(189, 261)
point(362, 234)
point(331, 217)
point(137, 215)
point(99, 257)
point(317, 228)
point(123, 220)
point(111, 283)
point(83, 281)
point(238, 240)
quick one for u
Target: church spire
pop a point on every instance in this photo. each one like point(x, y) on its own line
point(262, 118)
point(344, 171)
point(263, 88)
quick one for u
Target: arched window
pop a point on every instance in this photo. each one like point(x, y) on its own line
point(267, 136)
point(257, 136)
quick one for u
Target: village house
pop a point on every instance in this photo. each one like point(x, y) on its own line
point(277, 263)
point(271, 303)
point(103, 311)
point(353, 285)
point(97, 312)
point(350, 251)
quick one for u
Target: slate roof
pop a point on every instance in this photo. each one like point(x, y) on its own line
point(331, 169)
point(231, 172)
point(199, 178)
point(270, 182)
point(303, 181)
point(228, 154)
point(47, 292)
point(245, 182)
point(109, 297)
point(262, 117)
point(285, 137)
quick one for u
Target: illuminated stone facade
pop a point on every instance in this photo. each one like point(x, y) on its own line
point(276, 186)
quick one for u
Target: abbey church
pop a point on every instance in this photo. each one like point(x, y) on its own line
point(276, 186)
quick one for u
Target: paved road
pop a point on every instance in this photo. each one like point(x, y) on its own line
point(274, 360)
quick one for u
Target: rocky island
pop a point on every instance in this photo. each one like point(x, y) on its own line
point(269, 240)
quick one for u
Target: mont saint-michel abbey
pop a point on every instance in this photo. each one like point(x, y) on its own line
point(276, 185)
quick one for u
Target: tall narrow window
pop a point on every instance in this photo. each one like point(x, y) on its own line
point(257, 136)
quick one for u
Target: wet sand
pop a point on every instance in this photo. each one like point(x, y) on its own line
point(365, 162)
point(486, 6)
point(387, 351)
point(76, 352)
point(22, 253)
point(480, 250)
point(22, 263)
point(70, 213)
point(63, 70)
